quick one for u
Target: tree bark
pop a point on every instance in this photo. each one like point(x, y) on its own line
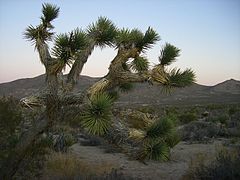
point(77, 66)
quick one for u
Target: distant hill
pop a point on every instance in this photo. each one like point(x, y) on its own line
point(143, 93)
point(230, 86)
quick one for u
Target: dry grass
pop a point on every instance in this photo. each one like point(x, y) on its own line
point(68, 166)
point(224, 165)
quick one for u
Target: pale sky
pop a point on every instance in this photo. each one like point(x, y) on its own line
point(206, 31)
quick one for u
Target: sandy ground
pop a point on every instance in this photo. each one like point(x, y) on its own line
point(181, 157)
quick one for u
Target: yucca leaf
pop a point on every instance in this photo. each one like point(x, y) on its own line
point(97, 117)
point(155, 150)
point(67, 45)
point(169, 53)
point(37, 34)
point(178, 78)
point(50, 12)
point(140, 64)
point(123, 38)
point(102, 32)
point(172, 139)
point(150, 38)
point(159, 129)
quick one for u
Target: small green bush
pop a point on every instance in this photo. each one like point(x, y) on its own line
point(232, 111)
point(187, 117)
point(220, 118)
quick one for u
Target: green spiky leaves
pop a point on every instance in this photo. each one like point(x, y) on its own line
point(160, 136)
point(140, 64)
point(149, 39)
point(97, 117)
point(102, 32)
point(160, 128)
point(178, 78)
point(125, 37)
point(68, 45)
point(50, 12)
point(135, 38)
point(168, 55)
point(37, 34)
point(155, 150)
point(42, 33)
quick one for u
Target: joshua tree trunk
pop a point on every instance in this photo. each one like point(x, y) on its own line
point(77, 66)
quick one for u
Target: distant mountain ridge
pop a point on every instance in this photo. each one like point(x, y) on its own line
point(143, 93)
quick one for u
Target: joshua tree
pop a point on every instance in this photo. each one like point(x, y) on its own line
point(73, 49)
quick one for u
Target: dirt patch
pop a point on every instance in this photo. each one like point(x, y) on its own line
point(181, 157)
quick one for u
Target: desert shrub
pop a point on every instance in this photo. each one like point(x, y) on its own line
point(69, 166)
point(10, 119)
point(146, 109)
point(223, 118)
point(215, 106)
point(205, 114)
point(172, 110)
point(187, 117)
point(226, 166)
point(62, 141)
point(97, 117)
point(10, 115)
point(232, 110)
point(33, 163)
point(199, 131)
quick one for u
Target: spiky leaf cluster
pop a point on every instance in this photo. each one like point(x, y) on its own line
point(126, 38)
point(50, 12)
point(159, 137)
point(155, 150)
point(172, 139)
point(169, 53)
point(42, 32)
point(102, 32)
point(180, 78)
point(135, 38)
point(68, 45)
point(160, 128)
point(37, 34)
point(140, 64)
point(149, 39)
point(97, 117)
